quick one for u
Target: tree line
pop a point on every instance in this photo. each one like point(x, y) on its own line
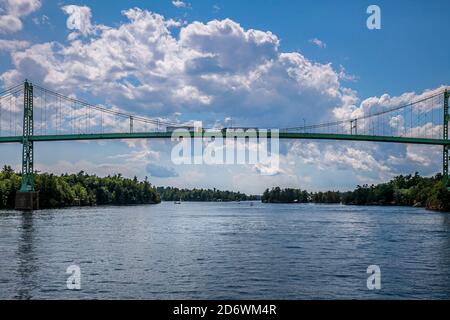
point(409, 190)
point(176, 194)
point(81, 189)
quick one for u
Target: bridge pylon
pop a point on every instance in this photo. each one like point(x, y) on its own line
point(27, 198)
point(446, 147)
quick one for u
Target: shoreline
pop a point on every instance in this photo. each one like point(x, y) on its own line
point(215, 202)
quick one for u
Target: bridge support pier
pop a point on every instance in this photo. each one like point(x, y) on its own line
point(446, 147)
point(27, 201)
point(27, 198)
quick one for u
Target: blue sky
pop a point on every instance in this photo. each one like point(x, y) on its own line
point(408, 55)
point(411, 46)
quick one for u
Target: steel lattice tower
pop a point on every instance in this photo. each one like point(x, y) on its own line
point(446, 147)
point(27, 144)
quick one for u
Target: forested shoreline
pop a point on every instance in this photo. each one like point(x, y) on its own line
point(78, 190)
point(81, 189)
point(194, 195)
point(409, 190)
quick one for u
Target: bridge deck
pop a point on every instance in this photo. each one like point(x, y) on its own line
point(282, 135)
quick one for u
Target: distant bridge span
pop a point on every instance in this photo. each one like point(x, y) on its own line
point(282, 135)
point(31, 113)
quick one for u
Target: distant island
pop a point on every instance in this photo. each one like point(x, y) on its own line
point(410, 190)
point(175, 194)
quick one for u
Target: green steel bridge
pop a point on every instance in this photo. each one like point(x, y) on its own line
point(30, 113)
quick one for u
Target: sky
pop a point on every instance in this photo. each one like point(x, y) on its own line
point(261, 63)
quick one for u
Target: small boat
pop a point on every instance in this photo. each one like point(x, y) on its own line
point(177, 202)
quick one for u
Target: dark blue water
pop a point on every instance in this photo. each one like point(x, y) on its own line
point(225, 251)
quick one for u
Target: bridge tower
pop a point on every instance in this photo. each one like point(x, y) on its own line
point(446, 147)
point(27, 198)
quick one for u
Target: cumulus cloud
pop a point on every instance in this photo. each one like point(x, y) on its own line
point(16, 9)
point(342, 157)
point(309, 152)
point(385, 101)
point(356, 159)
point(216, 69)
point(367, 162)
point(421, 155)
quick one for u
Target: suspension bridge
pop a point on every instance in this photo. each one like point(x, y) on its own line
point(30, 113)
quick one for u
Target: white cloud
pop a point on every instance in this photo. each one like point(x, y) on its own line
point(318, 43)
point(216, 69)
point(309, 152)
point(22, 8)
point(385, 101)
point(421, 155)
point(16, 9)
point(100, 169)
point(424, 159)
point(397, 121)
point(411, 115)
point(267, 170)
point(10, 24)
point(179, 4)
point(13, 45)
point(41, 20)
point(356, 159)
point(343, 157)
point(343, 75)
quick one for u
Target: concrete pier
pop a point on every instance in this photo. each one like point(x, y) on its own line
point(27, 201)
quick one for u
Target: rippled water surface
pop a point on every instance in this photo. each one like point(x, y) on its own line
point(225, 250)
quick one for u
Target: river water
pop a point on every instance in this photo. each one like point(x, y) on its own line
point(225, 251)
